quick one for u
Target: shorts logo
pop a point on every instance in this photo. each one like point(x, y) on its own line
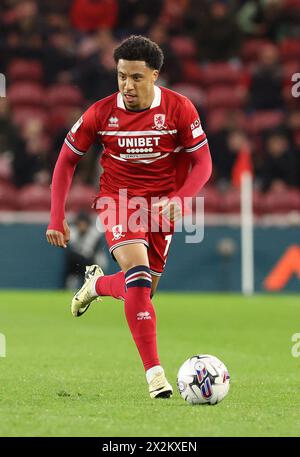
point(143, 316)
point(159, 121)
point(117, 232)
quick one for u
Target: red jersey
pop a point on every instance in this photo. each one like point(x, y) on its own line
point(140, 147)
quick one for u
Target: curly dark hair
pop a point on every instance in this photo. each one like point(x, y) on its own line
point(138, 47)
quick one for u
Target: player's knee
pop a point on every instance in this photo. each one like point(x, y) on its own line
point(136, 265)
point(138, 276)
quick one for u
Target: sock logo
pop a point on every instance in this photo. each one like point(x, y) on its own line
point(143, 316)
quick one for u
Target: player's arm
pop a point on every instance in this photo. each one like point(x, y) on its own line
point(76, 143)
point(196, 154)
point(201, 164)
point(195, 146)
point(200, 173)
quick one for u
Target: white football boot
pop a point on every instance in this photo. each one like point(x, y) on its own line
point(158, 384)
point(84, 296)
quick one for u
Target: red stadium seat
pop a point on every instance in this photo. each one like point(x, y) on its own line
point(8, 197)
point(225, 97)
point(191, 91)
point(288, 69)
point(25, 70)
point(231, 200)
point(60, 117)
point(252, 48)
point(81, 197)
point(26, 93)
point(21, 114)
point(221, 73)
point(64, 94)
point(34, 197)
point(192, 72)
point(219, 118)
point(6, 171)
point(184, 47)
point(212, 199)
point(291, 4)
point(216, 119)
point(290, 49)
point(280, 201)
point(263, 120)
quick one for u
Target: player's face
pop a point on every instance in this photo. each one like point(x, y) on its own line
point(136, 83)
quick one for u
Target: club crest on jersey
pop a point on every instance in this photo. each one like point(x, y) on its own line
point(159, 121)
point(113, 122)
point(117, 232)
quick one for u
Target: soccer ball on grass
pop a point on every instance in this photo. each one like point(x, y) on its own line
point(203, 379)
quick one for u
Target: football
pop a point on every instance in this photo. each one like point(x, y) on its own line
point(203, 379)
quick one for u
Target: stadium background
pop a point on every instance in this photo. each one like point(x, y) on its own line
point(234, 59)
point(83, 377)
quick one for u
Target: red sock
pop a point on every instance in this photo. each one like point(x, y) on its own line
point(112, 286)
point(140, 314)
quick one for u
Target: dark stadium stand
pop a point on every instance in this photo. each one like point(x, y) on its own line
point(223, 91)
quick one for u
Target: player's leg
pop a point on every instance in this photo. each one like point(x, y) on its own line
point(159, 244)
point(114, 285)
point(140, 314)
point(97, 284)
point(155, 281)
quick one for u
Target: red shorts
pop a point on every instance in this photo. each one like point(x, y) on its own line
point(126, 225)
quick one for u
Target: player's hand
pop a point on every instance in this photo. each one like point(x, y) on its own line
point(56, 238)
point(171, 209)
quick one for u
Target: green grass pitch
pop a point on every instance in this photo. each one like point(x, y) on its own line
point(82, 377)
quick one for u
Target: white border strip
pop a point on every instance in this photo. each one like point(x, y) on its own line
point(137, 132)
point(73, 148)
point(196, 147)
point(155, 273)
point(123, 243)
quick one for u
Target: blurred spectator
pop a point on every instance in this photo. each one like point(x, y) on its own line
point(11, 144)
point(225, 146)
point(137, 16)
point(250, 17)
point(23, 31)
point(41, 33)
point(274, 23)
point(263, 18)
point(89, 15)
point(173, 14)
point(172, 69)
point(217, 33)
point(34, 156)
point(237, 142)
point(266, 84)
point(10, 140)
point(59, 57)
point(85, 248)
point(279, 167)
point(96, 75)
